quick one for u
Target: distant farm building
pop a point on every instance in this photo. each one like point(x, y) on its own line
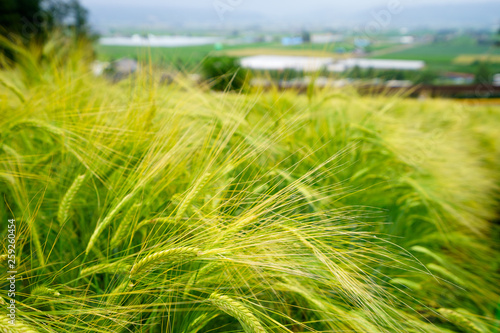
point(326, 38)
point(459, 78)
point(124, 66)
point(290, 41)
point(278, 63)
point(158, 41)
point(362, 43)
point(496, 80)
point(312, 64)
point(407, 40)
point(380, 64)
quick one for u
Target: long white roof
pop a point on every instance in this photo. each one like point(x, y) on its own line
point(271, 62)
point(311, 64)
point(343, 65)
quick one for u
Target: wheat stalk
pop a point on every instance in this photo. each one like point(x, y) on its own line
point(407, 283)
point(460, 321)
point(107, 220)
point(38, 124)
point(120, 290)
point(13, 88)
point(124, 226)
point(155, 221)
point(44, 291)
point(19, 327)
point(198, 185)
point(116, 267)
point(205, 270)
point(170, 255)
point(5, 327)
point(446, 273)
point(239, 311)
point(64, 206)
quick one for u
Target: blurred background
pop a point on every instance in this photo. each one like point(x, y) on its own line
point(392, 44)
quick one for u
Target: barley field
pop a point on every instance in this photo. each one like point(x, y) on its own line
point(142, 207)
point(469, 59)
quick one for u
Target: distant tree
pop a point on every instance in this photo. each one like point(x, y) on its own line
point(224, 73)
point(23, 18)
point(306, 36)
point(370, 73)
point(81, 17)
point(400, 75)
point(426, 77)
point(68, 14)
point(483, 74)
point(32, 19)
point(356, 73)
point(368, 49)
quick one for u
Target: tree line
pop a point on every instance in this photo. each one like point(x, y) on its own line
point(32, 20)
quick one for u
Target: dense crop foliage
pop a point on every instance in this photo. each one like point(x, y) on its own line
point(145, 208)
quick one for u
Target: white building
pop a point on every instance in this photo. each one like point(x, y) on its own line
point(496, 79)
point(407, 40)
point(313, 64)
point(326, 38)
point(381, 64)
point(270, 62)
point(159, 41)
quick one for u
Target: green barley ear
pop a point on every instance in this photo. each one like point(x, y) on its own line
point(65, 205)
point(170, 255)
point(116, 267)
point(197, 186)
point(407, 283)
point(44, 291)
point(13, 89)
point(205, 270)
point(155, 221)
point(445, 273)
point(5, 327)
point(107, 220)
point(460, 321)
point(239, 311)
point(119, 291)
point(19, 327)
point(38, 124)
point(218, 197)
point(200, 322)
point(124, 227)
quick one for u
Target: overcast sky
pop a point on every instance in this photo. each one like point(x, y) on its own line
point(264, 5)
point(267, 6)
point(300, 11)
